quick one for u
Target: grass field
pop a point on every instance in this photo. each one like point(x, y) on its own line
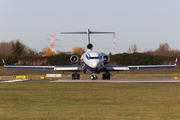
point(89, 101)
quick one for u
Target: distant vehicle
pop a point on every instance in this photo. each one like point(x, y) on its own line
point(92, 62)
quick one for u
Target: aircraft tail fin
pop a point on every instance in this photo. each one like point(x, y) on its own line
point(88, 32)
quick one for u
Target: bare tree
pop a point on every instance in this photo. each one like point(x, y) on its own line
point(129, 50)
point(5, 47)
point(164, 48)
point(132, 48)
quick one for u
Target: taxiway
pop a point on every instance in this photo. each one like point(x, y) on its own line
point(112, 81)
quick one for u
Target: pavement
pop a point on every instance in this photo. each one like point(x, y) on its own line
point(130, 80)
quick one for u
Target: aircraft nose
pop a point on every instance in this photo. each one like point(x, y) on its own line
point(94, 64)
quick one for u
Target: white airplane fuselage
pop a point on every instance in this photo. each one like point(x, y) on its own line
point(92, 61)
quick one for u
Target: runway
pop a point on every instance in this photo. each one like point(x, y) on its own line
point(133, 80)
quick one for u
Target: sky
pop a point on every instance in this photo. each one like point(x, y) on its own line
point(144, 23)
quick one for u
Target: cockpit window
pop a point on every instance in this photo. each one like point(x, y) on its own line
point(94, 58)
point(88, 56)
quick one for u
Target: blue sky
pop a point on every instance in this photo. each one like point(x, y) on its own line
point(145, 23)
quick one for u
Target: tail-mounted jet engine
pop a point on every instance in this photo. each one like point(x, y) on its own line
point(89, 46)
point(106, 59)
point(74, 59)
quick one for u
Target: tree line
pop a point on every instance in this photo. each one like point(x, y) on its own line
point(120, 59)
point(137, 59)
point(15, 47)
point(10, 51)
point(165, 50)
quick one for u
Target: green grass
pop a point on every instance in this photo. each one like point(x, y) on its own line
point(89, 101)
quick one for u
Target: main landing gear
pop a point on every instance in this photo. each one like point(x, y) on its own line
point(75, 76)
point(106, 76)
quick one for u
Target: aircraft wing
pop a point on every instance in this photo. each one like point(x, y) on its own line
point(140, 67)
point(146, 67)
point(59, 68)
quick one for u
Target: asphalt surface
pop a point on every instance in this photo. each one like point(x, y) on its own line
point(133, 80)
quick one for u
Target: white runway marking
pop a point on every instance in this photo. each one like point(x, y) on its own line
point(123, 81)
point(13, 81)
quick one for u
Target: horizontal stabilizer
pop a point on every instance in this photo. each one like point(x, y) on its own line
point(73, 32)
point(90, 32)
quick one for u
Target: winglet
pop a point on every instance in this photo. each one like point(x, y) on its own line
point(175, 62)
point(3, 62)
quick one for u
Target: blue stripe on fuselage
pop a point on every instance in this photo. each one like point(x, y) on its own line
point(89, 55)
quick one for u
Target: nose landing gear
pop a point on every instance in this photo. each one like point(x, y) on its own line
point(93, 77)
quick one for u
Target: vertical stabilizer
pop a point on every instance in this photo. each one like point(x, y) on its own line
point(88, 36)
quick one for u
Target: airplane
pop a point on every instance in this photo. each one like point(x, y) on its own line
point(92, 62)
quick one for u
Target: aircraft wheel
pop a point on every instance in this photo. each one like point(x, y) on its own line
point(103, 77)
point(78, 76)
point(108, 77)
point(92, 77)
point(73, 76)
point(95, 77)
